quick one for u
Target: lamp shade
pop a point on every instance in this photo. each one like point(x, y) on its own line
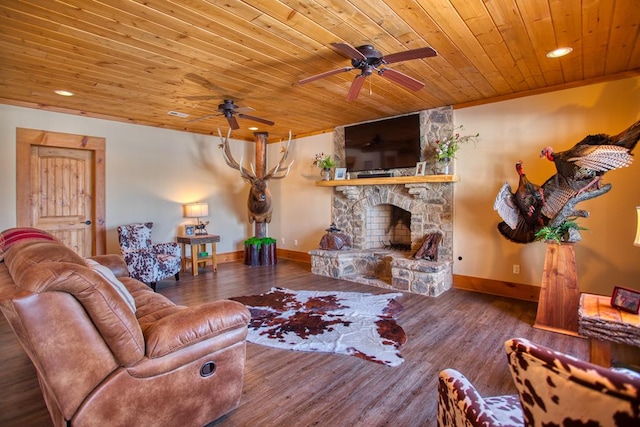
point(196, 210)
point(637, 240)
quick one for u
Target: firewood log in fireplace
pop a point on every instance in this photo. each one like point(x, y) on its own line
point(429, 249)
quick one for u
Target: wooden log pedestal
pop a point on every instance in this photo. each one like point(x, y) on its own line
point(264, 254)
point(559, 293)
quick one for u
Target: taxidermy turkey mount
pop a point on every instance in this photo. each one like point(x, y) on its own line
point(367, 59)
point(229, 110)
point(578, 177)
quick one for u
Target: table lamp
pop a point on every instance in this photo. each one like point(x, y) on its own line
point(637, 240)
point(197, 210)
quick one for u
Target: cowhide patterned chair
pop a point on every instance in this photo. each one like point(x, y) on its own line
point(554, 389)
point(148, 262)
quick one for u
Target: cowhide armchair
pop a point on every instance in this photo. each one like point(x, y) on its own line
point(148, 262)
point(554, 389)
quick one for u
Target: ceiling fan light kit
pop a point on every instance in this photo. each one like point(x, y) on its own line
point(229, 110)
point(367, 59)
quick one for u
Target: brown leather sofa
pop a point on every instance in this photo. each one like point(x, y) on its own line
point(100, 361)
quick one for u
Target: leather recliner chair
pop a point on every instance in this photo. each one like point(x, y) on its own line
point(112, 355)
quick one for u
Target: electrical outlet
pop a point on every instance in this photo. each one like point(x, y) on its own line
point(282, 241)
point(295, 243)
point(516, 269)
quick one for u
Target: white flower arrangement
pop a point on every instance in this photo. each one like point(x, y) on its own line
point(323, 162)
point(446, 148)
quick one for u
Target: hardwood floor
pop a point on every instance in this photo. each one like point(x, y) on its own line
point(459, 329)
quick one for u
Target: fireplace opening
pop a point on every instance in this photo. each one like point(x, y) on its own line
point(388, 227)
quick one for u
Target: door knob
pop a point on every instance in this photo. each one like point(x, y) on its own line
point(87, 222)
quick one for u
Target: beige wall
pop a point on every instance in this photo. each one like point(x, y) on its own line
point(151, 172)
point(518, 130)
point(303, 211)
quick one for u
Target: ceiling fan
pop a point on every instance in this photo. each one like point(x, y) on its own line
point(367, 59)
point(204, 83)
point(229, 110)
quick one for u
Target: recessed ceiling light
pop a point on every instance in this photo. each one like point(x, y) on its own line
point(63, 92)
point(561, 51)
point(253, 128)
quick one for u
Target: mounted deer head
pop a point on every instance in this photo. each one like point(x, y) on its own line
point(259, 202)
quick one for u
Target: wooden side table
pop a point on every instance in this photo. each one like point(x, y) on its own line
point(604, 324)
point(198, 246)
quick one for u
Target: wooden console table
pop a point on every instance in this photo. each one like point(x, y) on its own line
point(198, 246)
point(604, 324)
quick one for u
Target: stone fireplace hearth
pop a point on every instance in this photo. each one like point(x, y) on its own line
point(365, 212)
point(388, 220)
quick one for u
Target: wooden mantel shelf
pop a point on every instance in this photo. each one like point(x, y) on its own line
point(389, 180)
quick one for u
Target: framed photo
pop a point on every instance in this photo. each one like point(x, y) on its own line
point(421, 168)
point(189, 230)
point(340, 173)
point(626, 299)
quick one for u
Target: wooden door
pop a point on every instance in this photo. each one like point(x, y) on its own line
point(61, 187)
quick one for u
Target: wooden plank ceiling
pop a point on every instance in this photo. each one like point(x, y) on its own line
point(137, 60)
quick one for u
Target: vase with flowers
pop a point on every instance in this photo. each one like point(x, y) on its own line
point(325, 163)
point(446, 149)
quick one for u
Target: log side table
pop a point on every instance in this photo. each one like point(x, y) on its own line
point(559, 291)
point(603, 324)
point(198, 245)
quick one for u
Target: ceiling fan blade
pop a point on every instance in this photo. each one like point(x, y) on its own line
point(203, 118)
point(348, 51)
point(401, 79)
point(257, 119)
point(202, 81)
point(423, 52)
point(354, 90)
point(325, 74)
point(242, 109)
point(233, 123)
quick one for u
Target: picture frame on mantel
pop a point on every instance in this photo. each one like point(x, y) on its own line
point(340, 173)
point(421, 168)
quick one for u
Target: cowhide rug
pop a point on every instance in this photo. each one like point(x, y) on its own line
point(354, 323)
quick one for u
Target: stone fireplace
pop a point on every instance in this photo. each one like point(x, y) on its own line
point(375, 215)
point(365, 211)
point(388, 221)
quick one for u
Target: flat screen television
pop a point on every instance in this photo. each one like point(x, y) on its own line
point(384, 144)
